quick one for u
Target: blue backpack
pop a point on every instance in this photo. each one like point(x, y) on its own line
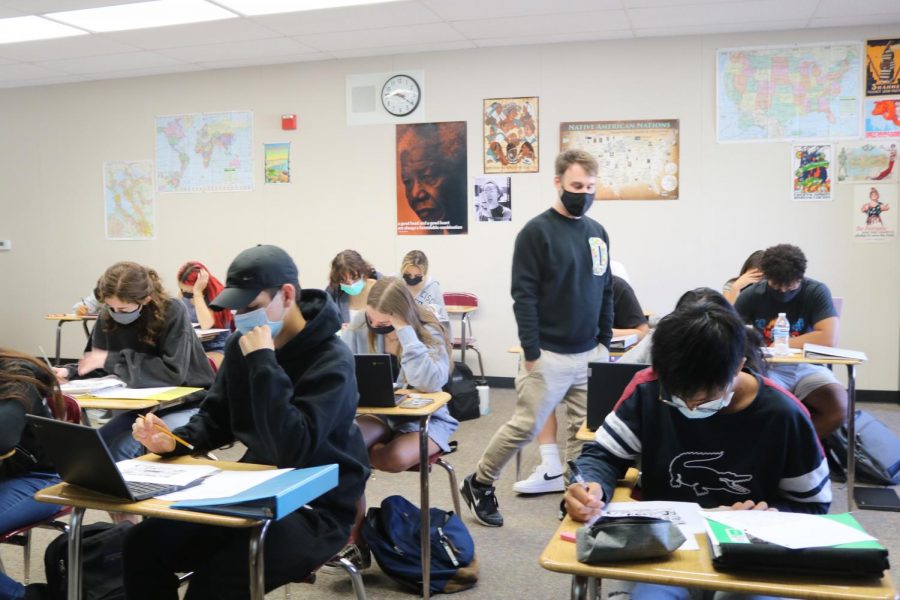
point(394, 537)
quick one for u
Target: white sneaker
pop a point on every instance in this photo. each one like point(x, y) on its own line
point(540, 482)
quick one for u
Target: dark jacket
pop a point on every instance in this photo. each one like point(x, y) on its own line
point(29, 457)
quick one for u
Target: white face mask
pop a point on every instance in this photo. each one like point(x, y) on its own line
point(707, 409)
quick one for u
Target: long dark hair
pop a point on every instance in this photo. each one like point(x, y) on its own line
point(131, 282)
point(19, 371)
point(349, 262)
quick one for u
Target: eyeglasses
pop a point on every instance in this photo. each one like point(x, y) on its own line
point(700, 408)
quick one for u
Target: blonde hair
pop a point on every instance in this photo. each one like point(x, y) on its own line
point(415, 258)
point(131, 282)
point(390, 295)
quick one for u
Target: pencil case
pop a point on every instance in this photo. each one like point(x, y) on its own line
point(616, 539)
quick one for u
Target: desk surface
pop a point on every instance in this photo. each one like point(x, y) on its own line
point(455, 309)
point(70, 317)
point(800, 359)
point(440, 399)
point(175, 395)
point(584, 434)
point(73, 495)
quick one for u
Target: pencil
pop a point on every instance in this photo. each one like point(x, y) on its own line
point(170, 434)
point(47, 360)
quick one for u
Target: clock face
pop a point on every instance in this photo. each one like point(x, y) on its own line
point(400, 95)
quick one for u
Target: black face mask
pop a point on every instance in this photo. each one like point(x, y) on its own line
point(187, 295)
point(577, 203)
point(412, 279)
point(782, 296)
point(379, 330)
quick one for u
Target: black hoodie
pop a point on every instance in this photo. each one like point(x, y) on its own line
point(293, 407)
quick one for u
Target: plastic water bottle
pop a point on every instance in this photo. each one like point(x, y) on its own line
point(780, 333)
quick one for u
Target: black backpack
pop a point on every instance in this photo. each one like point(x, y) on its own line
point(101, 563)
point(463, 403)
point(877, 452)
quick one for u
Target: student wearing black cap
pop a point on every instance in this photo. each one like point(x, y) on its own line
point(286, 390)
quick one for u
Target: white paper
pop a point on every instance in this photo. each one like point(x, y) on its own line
point(91, 385)
point(791, 530)
point(132, 393)
point(686, 515)
point(767, 351)
point(224, 484)
point(166, 473)
point(817, 351)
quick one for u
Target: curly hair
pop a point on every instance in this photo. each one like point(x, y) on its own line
point(783, 264)
point(131, 282)
point(349, 262)
point(18, 372)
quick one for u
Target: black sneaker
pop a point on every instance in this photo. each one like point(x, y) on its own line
point(482, 501)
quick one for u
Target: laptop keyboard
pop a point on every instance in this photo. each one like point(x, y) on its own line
point(142, 490)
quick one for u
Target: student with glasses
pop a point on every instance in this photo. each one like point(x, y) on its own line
point(706, 429)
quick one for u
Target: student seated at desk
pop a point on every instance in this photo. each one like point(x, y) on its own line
point(198, 287)
point(751, 272)
point(395, 324)
point(349, 283)
point(26, 387)
point(145, 338)
point(706, 430)
point(425, 290)
point(286, 391)
point(89, 305)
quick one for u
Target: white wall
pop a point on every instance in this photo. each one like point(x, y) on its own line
point(734, 198)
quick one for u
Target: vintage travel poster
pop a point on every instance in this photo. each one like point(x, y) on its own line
point(882, 117)
point(432, 195)
point(874, 213)
point(278, 163)
point(882, 67)
point(638, 159)
point(867, 162)
point(511, 135)
point(811, 172)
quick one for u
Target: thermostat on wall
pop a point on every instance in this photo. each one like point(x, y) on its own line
point(5, 244)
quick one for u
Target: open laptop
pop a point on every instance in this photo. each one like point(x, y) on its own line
point(606, 383)
point(375, 381)
point(82, 458)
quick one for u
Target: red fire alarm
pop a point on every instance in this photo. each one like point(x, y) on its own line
point(289, 122)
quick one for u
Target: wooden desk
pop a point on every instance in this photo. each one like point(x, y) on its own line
point(462, 311)
point(170, 398)
point(584, 434)
point(851, 364)
point(693, 568)
point(62, 319)
point(424, 414)
point(82, 499)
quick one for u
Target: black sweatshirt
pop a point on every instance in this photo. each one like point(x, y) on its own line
point(293, 407)
point(29, 456)
point(561, 285)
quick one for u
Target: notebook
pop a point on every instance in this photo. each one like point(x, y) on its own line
point(82, 458)
point(606, 383)
point(375, 381)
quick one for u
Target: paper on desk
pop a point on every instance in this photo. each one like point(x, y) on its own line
point(132, 393)
point(768, 351)
point(223, 484)
point(791, 530)
point(166, 473)
point(686, 515)
point(91, 385)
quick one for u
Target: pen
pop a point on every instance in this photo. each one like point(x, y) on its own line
point(168, 433)
point(44, 354)
point(576, 474)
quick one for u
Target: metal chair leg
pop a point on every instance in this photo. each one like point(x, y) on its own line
point(355, 578)
point(454, 488)
point(27, 562)
point(481, 381)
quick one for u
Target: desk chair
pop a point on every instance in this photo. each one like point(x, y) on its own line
point(356, 580)
point(22, 536)
point(464, 303)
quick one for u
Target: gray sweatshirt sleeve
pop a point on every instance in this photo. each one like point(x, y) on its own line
point(422, 367)
point(640, 354)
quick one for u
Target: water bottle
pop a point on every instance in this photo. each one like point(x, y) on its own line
point(780, 333)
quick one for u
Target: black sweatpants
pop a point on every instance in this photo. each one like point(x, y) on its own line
point(156, 549)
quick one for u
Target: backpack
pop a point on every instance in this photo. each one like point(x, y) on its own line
point(464, 403)
point(394, 536)
point(877, 452)
point(101, 563)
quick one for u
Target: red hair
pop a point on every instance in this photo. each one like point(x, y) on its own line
point(187, 274)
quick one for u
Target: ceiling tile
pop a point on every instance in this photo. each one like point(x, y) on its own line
point(629, 4)
point(27, 71)
point(855, 20)
point(556, 38)
point(746, 12)
point(72, 47)
point(271, 60)
point(146, 72)
point(13, 83)
point(134, 61)
point(837, 8)
point(39, 7)
point(251, 49)
point(717, 29)
point(376, 38)
point(473, 10)
point(197, 34)
point(542, 25)
point(392, 14)
point(408, 49)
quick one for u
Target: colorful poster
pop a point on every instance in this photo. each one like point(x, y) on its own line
point(811, 168)
point(875, 213)
point(867, 163)
point(129, 200)
point(882, 67)
point(882, 117)
point(493, 199)
point(768, 94)
point(431, 179)
point(638, 159)
point(278, 162)
point(511, 135)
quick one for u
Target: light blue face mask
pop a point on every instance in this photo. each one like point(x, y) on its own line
point(707, 409)
point(354, 288)
point(257, 318)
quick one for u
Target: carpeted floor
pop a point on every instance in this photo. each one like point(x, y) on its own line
point(508, 555)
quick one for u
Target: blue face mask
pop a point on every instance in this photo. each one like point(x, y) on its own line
point(354, 288)
point(126, 318)
point(257, 318)
point(707, 409)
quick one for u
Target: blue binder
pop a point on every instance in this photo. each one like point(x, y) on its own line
point(272, 499)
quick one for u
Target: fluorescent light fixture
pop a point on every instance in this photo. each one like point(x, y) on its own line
point(142, 15)
point(268, 7)
point(26, 29)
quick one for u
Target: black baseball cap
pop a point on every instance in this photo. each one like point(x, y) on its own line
point(252, 271)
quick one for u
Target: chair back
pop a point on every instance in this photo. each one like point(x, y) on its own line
point(460, 299)
point(73, 409)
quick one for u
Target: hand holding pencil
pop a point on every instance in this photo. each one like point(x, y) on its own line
point(151, 431)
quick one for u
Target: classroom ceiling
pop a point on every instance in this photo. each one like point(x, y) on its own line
point(400, 27)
